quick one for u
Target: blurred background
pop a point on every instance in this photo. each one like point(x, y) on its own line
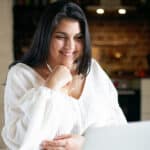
point(120, 34)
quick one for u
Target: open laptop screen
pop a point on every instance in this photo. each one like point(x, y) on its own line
point(133, 136)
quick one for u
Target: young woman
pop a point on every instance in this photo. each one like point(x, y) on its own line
point(57, 91)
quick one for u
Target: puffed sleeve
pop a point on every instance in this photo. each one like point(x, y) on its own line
point(32, 114)
point(117, 116)
point(106, 99)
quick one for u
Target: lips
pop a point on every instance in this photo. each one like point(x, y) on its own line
point(68, 54)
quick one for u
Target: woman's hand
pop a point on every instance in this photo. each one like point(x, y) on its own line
point(64, 142)
point(59, 78)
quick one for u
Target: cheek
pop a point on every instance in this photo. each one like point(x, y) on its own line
point(56, 45)
point(59, 43)
point(80, 47)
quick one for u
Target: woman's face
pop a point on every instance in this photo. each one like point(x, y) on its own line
point(66, 44)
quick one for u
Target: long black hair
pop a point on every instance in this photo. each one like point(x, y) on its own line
point(38, 53)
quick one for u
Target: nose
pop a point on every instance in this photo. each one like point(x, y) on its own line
point(70, 44)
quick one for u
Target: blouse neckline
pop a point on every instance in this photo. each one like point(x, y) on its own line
point(34, 72)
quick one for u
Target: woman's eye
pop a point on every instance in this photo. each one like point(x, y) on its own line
point(60, 37)
point(79, 37)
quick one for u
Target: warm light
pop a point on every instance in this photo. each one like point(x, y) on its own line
point(118, 55)
point(122, 11)
point(100, 11)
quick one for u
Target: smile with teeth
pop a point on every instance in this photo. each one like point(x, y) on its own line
point(68, 53)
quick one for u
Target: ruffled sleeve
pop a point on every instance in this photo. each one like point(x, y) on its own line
point(105, 107)
point(33, 112)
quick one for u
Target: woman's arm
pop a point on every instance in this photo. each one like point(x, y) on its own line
point(29, 109)
point(107, 105)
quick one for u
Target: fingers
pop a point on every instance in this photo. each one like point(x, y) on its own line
point(61, 143)
point(53, 145)
point(52, 148)
point(64, 136)
point(58, 143)
point(60, 77)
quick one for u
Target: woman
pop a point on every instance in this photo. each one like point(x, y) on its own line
point(57, 91)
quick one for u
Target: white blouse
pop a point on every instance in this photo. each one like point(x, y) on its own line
point(34, 112)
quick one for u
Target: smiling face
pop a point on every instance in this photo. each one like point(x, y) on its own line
point(66, 44)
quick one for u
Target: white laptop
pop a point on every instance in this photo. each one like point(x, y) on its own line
point(133, 136)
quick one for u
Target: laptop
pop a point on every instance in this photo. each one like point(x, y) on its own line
point(133, 136)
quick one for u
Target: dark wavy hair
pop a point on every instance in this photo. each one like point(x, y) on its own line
point(38, 53)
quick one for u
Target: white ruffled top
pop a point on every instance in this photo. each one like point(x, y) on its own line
point(34, 112)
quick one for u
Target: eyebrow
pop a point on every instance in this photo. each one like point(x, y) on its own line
point(59, 32)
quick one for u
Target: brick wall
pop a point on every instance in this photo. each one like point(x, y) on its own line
point(121, 44)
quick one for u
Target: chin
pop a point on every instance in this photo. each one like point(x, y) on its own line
point(71, 66)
